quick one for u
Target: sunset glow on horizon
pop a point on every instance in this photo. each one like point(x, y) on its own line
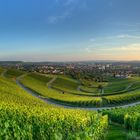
point(69, 30)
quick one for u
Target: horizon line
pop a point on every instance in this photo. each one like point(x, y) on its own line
point(52, 61)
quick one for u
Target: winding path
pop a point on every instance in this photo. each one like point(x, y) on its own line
point(67, 106)
point(51, 81)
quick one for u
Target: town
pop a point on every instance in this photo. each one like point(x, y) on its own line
point(116, 69)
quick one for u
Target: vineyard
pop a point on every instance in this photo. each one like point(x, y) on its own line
point(23, 116)
point(69, 69)
point(32, 82)
point(12, 73)
point(60, 92)
point(129, 117)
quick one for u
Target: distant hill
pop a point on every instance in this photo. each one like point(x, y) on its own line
point(10, 62)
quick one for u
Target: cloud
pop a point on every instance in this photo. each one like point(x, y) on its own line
point(69, 2)
point(55, 19)
point(128, 48)
point(92, 40)
point(88, 50)
point(124, 36)
point(66, 3)
point(68, 7)
point(126, 24)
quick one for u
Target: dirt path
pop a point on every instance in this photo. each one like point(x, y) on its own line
point(70, 107)
point(129, 86)
point(51, 81)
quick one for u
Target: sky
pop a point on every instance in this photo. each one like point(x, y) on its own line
point(69, 30)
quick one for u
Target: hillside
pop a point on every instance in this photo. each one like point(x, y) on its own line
point(26, 117)
point(50, 106)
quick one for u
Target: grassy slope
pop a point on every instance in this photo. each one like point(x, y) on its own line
point(13, 73)
point(70, 85)
point(114, 86)
point(122, 85)
point(10, 92)
point(89, 89)
point(67, 84)
point(116, 132)
point(40, 87)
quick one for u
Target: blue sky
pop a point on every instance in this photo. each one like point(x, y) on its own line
point(65, 30)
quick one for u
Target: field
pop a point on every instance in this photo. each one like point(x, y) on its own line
point(12, 73)
point(40, 87)
point(65, 92)
point(116, 132)
point(23, 116)
point(114, 86)
point(69, 85)
point(57, 121)
point(130, 117)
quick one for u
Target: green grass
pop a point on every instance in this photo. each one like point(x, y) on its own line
point(65, 83)
point(41, 88)
point(69, 85)
point(92, 83)
point(40, 77)
point(129, 117)
point(89, 89)
point(13, 73)
point(117, 86)
point(116, 132)
point(113, 87)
